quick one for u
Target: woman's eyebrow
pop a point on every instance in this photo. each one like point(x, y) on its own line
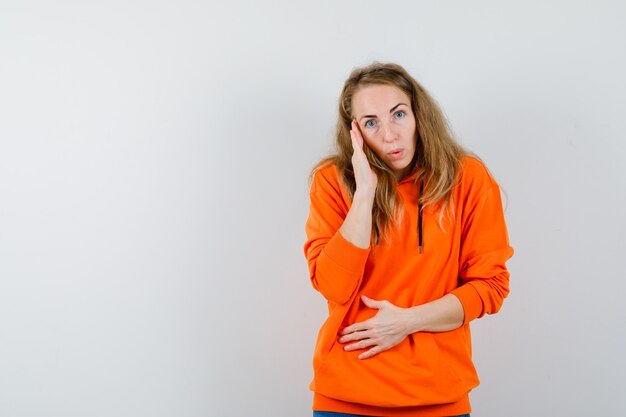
point(396, 106)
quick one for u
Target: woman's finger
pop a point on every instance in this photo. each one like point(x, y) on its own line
point(355, 145)
point(356, 327)
point(371, 352)
point(363, 344)
point(356, 132)
point(352, 336)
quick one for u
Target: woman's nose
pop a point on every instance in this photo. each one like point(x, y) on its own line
point(388, 132)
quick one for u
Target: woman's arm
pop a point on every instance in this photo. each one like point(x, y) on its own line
point(392, 323)
point(441, 315)
point(338, 244)
point(357, 227)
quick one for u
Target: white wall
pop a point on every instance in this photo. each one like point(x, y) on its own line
point(153, 193)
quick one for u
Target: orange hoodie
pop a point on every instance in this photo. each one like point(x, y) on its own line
point(428, 374)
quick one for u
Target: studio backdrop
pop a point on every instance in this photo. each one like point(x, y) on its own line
point(154, 163)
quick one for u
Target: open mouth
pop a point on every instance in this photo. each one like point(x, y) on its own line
point(396, 154)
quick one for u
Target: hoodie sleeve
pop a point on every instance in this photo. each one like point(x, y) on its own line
point(336, 266)
point(484, 248)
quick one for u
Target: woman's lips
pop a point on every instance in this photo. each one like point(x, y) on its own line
point(396, 154)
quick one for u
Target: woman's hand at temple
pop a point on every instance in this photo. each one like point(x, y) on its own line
point(365, 178)
point(357, 226)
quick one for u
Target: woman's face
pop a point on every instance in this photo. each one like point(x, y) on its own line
point(387, 124)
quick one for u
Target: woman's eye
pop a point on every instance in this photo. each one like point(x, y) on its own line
point(400, 114)
point(370, 123)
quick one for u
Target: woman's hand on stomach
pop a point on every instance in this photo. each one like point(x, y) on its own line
point(390, 326)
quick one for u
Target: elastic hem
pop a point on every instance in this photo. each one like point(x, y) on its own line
point(323, 403)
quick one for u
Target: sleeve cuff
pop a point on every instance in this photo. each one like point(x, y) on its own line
point(345, 254)
point(470, 300)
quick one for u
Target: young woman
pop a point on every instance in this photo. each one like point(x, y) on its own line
point(406, 240)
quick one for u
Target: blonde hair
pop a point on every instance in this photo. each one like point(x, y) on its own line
point(437, 154)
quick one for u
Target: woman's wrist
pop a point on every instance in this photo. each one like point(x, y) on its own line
point(441, 315)
point(415, 321)
point(365, 195)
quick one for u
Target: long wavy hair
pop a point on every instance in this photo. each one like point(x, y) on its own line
point(437, 154)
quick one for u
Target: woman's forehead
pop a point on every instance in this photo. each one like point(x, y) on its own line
point(378, 97)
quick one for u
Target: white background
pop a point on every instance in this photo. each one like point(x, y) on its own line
point(153, 192)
